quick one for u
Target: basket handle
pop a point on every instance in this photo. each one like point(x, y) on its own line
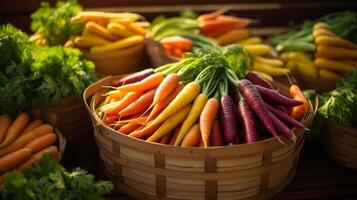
point(93, 88)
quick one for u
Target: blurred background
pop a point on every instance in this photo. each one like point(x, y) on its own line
point(275, 14)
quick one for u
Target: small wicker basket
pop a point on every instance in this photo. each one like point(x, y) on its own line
point(154, 171)
point(340, 143)
point(70, 116)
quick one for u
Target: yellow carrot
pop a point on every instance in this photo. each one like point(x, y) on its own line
point(119, 29)
point(192, 117)
point(334, 41)
point(170, 123)
point(329, 75)
point(100, 30)
point(333, 65)
point(306, 69)
point(252, 40)
point(270, 70)
point(323, 25)
point(89, 42)
point(120, 44)
point(322, 32)
point(269, 61)
point(186, 96)
point(233, 36)
point(258, 49)
point(336, 52)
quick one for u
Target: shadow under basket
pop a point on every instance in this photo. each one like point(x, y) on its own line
point(146, 170)
point(340, 144)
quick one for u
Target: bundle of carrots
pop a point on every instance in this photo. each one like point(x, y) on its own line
point(105, 31)
point(335, 56)
point(217, 24)
point(180, 103)
point(22, 143)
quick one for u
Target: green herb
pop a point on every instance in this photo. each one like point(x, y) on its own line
point(340, 104)
point(54, 22)
point(50, 181)
point(34, 76)
point(344, 24)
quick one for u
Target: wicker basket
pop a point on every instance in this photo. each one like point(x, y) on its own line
point(70, 116)
point(340, 143)
point(154, 171)
point(120, 61)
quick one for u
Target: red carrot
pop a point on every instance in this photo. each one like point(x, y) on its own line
point(255, 79)
point(274, 97)
point(216, 138)
point(282, 128)
point(256, 102)
point(284, 117)
point(249, 123)
point(133, 78)
point(229, 120)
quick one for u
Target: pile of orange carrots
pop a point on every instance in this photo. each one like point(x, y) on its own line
point(164, 107)
point(22, 143)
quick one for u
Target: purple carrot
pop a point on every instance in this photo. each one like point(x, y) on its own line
point(229, 119)
point(276, 98)
point(133, 78)
point(256, 102)
point(250, 131)
point(256, 79)
point(284, 117)
point(282, 128)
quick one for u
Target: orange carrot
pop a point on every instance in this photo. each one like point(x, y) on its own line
point(193, 137)
point(5, 123)
point(34, 124)
point(167, 86)
point(139, 105)
point(117, 94)
point(165, 138)
point(15, 129)
point(13, 159)
point(148, 130)
point(128, 128)
point(127, 100)
point(110, 120)
point(42, 142)
point(23, 140)
point(146, 84)
point(211, 15)
point(174, 136)
point(298, 111)
point(224, 21)
point(37, 158)
point(141, 120)
point(207, 118)
point(161, 105)
point(216, 137)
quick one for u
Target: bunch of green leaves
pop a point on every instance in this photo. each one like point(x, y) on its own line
point(162, 27)
point(344, 24)
point(33, 76)
point(54, 22)
point(339, 105)
point(50, 181)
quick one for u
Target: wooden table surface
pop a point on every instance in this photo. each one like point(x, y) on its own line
point(317, 176)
